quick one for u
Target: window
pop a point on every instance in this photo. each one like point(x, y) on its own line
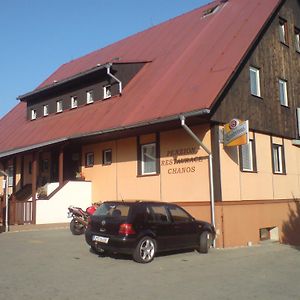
point(248, 157)
point(107, 157)
point(33, 114)
point(59, 106)
point(46, 110)
point(283, 97)
point(148, 159)
point(283, 31)
point(254, 81)
point(89, 97)
point(89, 159)
point(297, 39)
point(10, 172)
point(159, 213)
point(179, 215)
point(278, 159)
point(74, 102)
point(298, 121)
point(107, 91)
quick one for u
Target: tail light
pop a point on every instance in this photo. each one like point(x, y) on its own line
point(126, 229)
point(89, 222)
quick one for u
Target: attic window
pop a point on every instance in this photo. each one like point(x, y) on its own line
point(89, 97)
point(283, 31)
point(33, 114)
point(59, 106)
point(106, 91)
point(211, 10)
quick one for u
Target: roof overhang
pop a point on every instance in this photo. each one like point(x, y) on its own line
point(197, 113)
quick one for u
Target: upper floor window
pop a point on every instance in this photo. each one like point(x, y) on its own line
point(254, 81)
point(297, 39)
point(89, 97)
point(298, 121)
point(33, 114)
point(283, 31)
point(107, 157)
point(107, 91)
point(59, 106)
point(283, 96)
point(148, 159)
point(89, 159)
point(10, 172)
point(74, 102)
point(278, 159)
point(248, 157)
point(46, 110)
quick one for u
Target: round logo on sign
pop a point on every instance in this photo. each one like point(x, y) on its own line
point(233, 123)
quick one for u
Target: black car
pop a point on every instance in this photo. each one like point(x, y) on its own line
point(143, 228)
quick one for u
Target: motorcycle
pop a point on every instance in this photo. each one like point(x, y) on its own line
point(79, 217)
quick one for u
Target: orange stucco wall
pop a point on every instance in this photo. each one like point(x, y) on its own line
point(178, 180)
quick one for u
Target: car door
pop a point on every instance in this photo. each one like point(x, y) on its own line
point(158, 221)
point(184, 227)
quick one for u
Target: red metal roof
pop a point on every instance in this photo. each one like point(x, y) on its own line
point(192, 58)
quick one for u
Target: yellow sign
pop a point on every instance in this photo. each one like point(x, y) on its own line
point(236, 133)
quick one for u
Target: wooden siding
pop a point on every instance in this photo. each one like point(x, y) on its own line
point(79, 87)
point(275, 61)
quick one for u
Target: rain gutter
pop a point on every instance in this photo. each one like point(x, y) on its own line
point(211, 182)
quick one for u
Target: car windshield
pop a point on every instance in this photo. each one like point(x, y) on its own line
point(114, 210)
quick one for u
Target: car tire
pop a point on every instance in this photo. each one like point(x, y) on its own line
point(205, 242)
point(145, 250)
point(76, 228)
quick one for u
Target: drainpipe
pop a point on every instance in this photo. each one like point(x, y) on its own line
point(211, 182)
point(6, 199)
point(114, 77)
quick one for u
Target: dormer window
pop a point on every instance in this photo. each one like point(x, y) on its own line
point(59, 106)
point(74, 102)
point(33, 114)
point(46, 110)
point(107, 91)
point(89, 97)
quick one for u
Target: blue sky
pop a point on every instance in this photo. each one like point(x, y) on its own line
point(37, 36)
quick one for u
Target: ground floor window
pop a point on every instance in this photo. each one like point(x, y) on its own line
point(89, 159)
point(248, 157)
point(278, 159)
point(148, 159)
point(10, 172)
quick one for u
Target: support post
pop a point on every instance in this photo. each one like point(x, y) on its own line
point(34, 180)
point(61, 167)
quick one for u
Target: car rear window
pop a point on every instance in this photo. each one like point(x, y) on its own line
point(113, 210)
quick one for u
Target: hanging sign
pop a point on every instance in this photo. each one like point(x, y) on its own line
point(236, 133)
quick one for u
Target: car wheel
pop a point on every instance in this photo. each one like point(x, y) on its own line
point(205, 241)
point(145, 250)
point(76, 228)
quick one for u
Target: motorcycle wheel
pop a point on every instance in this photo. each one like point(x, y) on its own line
point(76, 228)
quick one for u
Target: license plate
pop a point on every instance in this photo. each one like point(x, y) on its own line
point(101, 239)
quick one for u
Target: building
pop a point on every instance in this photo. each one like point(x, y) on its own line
point(139, 119)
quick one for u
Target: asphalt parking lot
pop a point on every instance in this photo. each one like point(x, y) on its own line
point(53, 264)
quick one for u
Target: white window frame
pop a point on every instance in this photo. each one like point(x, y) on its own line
point(74, 102)
point(297, 39)
point(89, 159)
point(254, 84)
point(282, 31)
point(33, 114)
point(277, 156)
point(46, 110)
point(283, 94)
point(59, 106)
point(143, 162)
point(106, 91)
point(249, 147)
point(89, 96)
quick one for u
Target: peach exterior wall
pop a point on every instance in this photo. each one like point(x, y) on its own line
point(181, 182)
point(263, 185)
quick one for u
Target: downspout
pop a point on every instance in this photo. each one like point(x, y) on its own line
point(6, 199)
point(114, 77)
point(211, 182)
